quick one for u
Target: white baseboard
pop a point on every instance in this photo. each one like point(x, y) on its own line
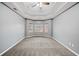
point(12, 46)
point(66, 47)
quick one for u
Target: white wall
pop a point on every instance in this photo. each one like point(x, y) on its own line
point(66, 28)
point(11, 28)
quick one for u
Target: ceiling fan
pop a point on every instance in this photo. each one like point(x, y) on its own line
point(40, 4)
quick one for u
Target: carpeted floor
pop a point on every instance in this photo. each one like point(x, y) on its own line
point(39, 46)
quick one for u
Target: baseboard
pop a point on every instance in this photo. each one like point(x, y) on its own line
point(66, 47)
point(12, 46)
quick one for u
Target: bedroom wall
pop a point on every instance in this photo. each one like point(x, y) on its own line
point(66, 28)
point(12, 28)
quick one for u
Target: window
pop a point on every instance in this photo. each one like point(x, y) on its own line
point(37, 26)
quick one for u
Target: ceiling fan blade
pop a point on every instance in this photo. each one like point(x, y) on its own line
point(45, 3)
point(35, 4)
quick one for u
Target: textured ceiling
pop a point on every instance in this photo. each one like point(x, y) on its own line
point(32, 10)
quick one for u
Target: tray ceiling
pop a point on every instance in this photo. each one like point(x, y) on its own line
point(39, 10)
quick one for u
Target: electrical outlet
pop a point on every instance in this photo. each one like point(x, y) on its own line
point(72, 45)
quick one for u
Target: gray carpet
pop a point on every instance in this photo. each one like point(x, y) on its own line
point(39, 46)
